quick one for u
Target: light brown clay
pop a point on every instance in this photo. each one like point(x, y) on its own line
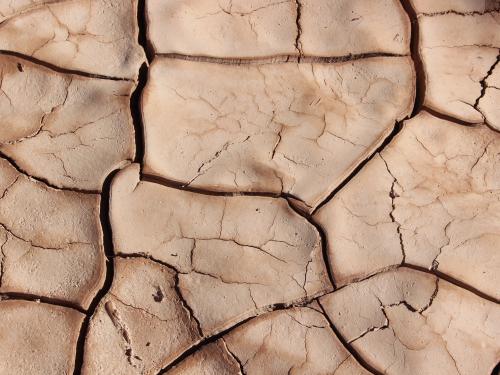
point(37, 338)
point(299, 129)
point(51, 241)
point(141, 324)
point(458, 65)
point(92, 36)
point(69, 130)
point(235, 256)
point(434, 202)
point(457, 6)
point(264, 28)
point(409, 322)
point(251, 187)
point(296, 341)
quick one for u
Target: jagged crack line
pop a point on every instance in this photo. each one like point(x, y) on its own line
point(346, 345)
point(41, 180)
point(279, 59)
point(58, 69)
point(420, 84)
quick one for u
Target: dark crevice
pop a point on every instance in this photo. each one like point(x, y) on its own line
point(496, 370)
point(213, 338)
point(397, 128)
point(176, 287)
point(261, 310)
point(234, 356)
point(361, 279)
point(484, 84)
point(58, 69)
point(288, 197)
point(186, 306)
point(324, 241)
point(435, 273)
point(135, 107)
point(444, 116)
point(348, 347)
point(420, 85)
point(43, 180)
point(109, 253)
point(202, 343)
point(136, 111)
point(121, 255)
point(420, 88)
point(298, 43)
point(278, 59)
point(142, 21)
point(185, 187)
point(136, 97)
point(433, 296)
point(473, 13)
point(4, 296)
point(452, 280)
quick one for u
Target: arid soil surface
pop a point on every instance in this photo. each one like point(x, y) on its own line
point(253, 187)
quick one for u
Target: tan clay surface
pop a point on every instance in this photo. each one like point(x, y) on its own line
point(296, 341)
point(263, 28)
point(459, 6)
point(51, 241)
point(292, 128)
point(142, 323)
point(459, 65)
point(235, 255)
point(65, 129)
point(94, 36)
point(48, 335)
point(408, 322)
point(259, 187)
point(434, 203)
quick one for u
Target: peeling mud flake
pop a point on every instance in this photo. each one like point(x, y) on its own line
point(294, 341)
point(299, 129)
point(408, 322)
point(68, 130)
point(37, 338)
point(52, 241)
point(434, 203)
point(235, 255)
point(91, 36)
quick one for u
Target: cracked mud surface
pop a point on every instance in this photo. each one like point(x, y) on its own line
point(249, 187)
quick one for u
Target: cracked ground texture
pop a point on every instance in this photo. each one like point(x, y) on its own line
point(249, 187)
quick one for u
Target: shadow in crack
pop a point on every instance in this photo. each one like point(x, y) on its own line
point(109, 253)
point(496, 370)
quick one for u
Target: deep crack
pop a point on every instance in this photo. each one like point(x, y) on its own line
point(484, 84)
point(58, 69)
point(298, 43)
point(393, 195)
point(415, 55)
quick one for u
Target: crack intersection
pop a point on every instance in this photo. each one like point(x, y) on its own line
point(135, 107)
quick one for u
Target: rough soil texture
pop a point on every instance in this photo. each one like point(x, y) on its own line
point(249, 187)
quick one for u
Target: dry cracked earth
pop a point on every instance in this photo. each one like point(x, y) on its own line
point(213, 187)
